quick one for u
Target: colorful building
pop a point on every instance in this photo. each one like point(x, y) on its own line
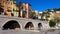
point(10, 8)
point(25, 10)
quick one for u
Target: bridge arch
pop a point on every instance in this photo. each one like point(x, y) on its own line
point(11, 24)
point(29, 25)
point(39, 26)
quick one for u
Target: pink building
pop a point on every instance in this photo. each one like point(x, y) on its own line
point(25, 10)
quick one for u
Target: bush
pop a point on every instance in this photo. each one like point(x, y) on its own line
point(52, 23)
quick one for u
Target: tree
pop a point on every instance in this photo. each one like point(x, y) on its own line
point(42, 15)
point(13, 1)
point(46, 14)
point(52, 23)
point(58, 9)
point(32, 14)
point(19, 5)
point(49, 10)
point(57, 20)
point(55, 9)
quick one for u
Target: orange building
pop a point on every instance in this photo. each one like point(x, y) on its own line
point(9, 8)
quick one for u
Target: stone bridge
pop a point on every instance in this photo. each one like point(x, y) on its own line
point(7, 22)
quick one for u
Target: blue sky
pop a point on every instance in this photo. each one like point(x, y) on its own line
point(42, 5)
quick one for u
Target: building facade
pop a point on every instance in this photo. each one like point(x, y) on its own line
point(25, 10)
point(9, 7)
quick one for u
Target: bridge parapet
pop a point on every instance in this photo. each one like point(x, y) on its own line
point(22, 21)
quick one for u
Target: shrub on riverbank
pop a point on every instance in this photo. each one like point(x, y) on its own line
point(52, 23)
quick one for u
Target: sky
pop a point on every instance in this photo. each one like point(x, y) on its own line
point(42, 5)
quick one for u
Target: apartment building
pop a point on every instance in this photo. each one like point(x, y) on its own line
point(25, 10)
point(9, 7)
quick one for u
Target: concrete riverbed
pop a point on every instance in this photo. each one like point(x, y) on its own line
point(28, 32)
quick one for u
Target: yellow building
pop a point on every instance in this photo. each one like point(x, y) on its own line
point(10, 8)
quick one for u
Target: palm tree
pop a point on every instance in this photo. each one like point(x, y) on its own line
point(47, 13)
point(58, 9)
point(13, 1)
point(19, 5)
point(55, 9)
point(48, 10)
point(42, 15)
point(32, 14)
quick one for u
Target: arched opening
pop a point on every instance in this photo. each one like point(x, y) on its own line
point(11, 25)
point(39, 26)
point(29, 26)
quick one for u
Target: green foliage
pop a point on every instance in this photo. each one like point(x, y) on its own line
point(49, 10)
point(52, 23)
point(56, 9)
point(19, 4)
point(46, 14)
point(32, 14)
